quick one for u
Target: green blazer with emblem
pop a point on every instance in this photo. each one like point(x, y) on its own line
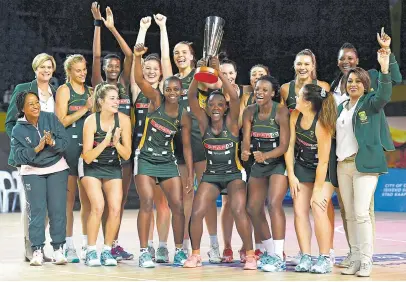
point(11, 117)
point(372, 135)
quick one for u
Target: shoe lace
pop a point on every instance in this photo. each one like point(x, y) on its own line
point(181, 255)
point(364, 265)
point(92, 255)
point(146, 257)
point(320, 260)
point(305, 259)
point(161, 251)
point(71, 252)
point(214, 252)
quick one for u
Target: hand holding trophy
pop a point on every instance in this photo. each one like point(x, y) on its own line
point(213, 33)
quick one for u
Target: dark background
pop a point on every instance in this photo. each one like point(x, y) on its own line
point(257, 31)
point(269, 32)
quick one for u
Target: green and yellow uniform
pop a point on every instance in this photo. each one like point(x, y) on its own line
point(222, 162)
point(264, 138)
point(155, 155)
point(306, 154)
point(75, 130)
point(108, 164)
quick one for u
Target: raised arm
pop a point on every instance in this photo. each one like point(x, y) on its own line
point(109, 23)
point(289, 156)
point(165, 53)
point(198, 112)
point(384, 41)
point(384, 92)
point(96, 65)
point(144, 25)
point(145, 86)
point(61, 107)
point(186, 124)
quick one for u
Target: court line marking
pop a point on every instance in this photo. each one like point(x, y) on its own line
point(340, 229)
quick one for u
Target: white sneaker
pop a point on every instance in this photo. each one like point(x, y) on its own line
point(92, 259)
point(59, 257)
point(214, 254)
point(332, 258)
point(297, 258)
point(37, 258)
point(71, 255)
point(83, 253)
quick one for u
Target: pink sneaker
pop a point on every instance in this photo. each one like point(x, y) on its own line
point(243, 255)
point(193, 261)
point(251, 263)
point(227, 255)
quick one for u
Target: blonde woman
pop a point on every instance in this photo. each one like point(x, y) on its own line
point(73, 104)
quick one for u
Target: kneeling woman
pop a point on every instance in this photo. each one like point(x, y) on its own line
point(223, 169)
point(102, 154)
point(312, 179)
point(38, 142)
point(155, 159)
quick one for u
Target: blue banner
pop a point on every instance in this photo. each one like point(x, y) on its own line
point(390, 194)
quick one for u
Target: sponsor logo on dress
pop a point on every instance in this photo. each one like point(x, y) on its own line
point(124, 101)
point(142, 105)
point(219, 147)
point(74, 108)
point(265, 135)
point(162, 128)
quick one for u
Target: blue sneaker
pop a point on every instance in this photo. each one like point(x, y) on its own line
point(162, 255)
point(180, 258)
point(304, 264)
point(275, 264)
point(264, 259)
point(92, 259)
point(145, 260)
point(107, 259)
point(322, 266)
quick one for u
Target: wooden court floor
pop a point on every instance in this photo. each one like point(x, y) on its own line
point(389, 259)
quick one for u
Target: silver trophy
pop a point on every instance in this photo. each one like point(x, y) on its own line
point(213, 33)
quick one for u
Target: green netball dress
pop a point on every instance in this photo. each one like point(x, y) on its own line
point(247, 164)
point(154, 156)
point(222, 162)
point(196, 137)
point(265, 136)
point(306, 158)
point(108, 164)
point(291, 100)
point(124, 107)
point(75, 130)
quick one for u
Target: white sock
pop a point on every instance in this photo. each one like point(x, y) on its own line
point(178, 250)
point(269, 247)
point(259, 246)
point(331, 251)
point(143, 250)
point(186, 244)
point(163, 245)
point(115, 243)
point(91, 248)
point(213, 240)
point(69, 243)
point(84, 240)
point(106, 248)
point(279, 247)
point(150, 243)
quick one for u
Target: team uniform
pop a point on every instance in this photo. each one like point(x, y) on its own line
point(306, 158)
point(247, 164)
point(222, 162)
point(196, 138)
point(265, 138)
point(108, 164)
point(155, 156)
point(291, 99)
point(75, 130)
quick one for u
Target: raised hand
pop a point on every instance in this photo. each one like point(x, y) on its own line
point(201, 63)
point(384, 40)
point(109, 21)
point(214, 63)
point(383, 59)
point(96, 11)
point(41, 145)
point(160, 20)
point(145, 23)
point(140, 49)
point(117, 136)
